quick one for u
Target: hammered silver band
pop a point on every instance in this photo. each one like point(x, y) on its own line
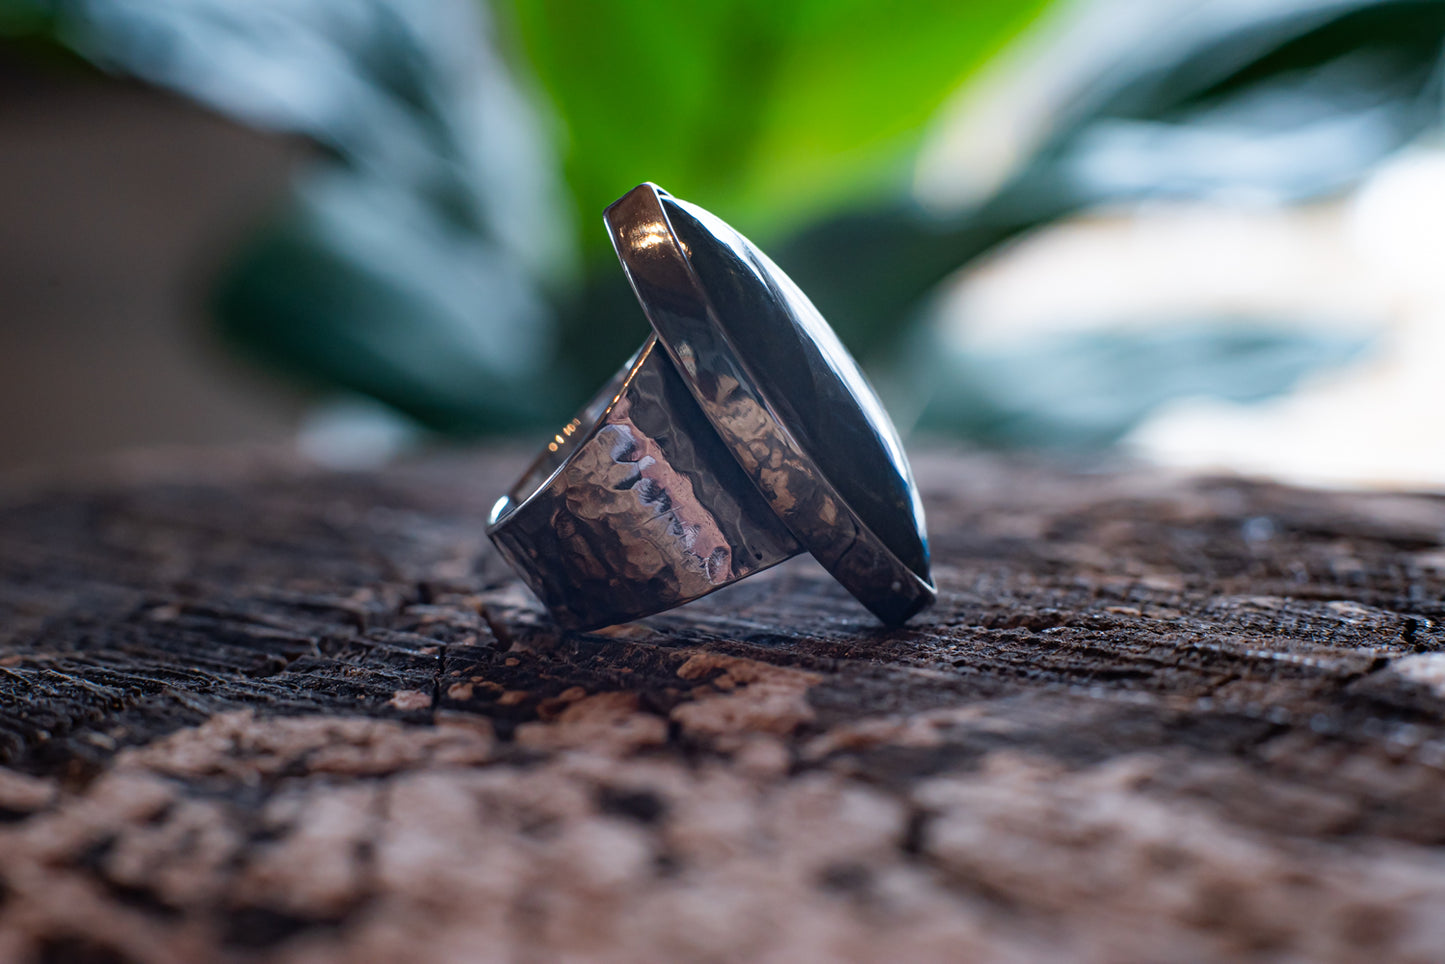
point(636, 506)
point(741, 434)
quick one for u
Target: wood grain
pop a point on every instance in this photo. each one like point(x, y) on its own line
point(250, 710)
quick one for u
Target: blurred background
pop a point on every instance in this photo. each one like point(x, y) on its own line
point(1207, 232)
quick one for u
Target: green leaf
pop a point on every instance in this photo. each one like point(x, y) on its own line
point(357, 285)
point(23, 18)
point(1276, 101)
point(414, 260)
point(765, 111)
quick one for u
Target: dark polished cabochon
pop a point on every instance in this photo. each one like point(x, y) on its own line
point(808, 378)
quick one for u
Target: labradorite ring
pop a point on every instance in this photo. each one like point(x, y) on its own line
point(740, 434)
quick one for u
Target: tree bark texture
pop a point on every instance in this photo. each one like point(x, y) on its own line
point(254, 711)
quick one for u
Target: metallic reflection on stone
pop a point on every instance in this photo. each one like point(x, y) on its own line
point(645, 512)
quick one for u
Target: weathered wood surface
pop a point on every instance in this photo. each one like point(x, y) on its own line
point(253, 711)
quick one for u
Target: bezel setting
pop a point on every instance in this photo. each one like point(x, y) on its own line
point(705, 286)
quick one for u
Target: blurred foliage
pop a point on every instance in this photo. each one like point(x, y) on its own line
point(1268, 101)
point(413, 259)
point(431, 256)
point(769, 110)
point(1085, 389)
point(1280, 100)
point(22, 19)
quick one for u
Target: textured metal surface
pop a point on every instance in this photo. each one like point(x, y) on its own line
point(636, 507)
point(848, 497)
point(741, 434)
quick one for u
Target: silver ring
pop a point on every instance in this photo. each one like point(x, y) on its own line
point(741, 433)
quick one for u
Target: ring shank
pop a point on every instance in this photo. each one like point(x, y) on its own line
point(564, 443)
point(636, 506)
